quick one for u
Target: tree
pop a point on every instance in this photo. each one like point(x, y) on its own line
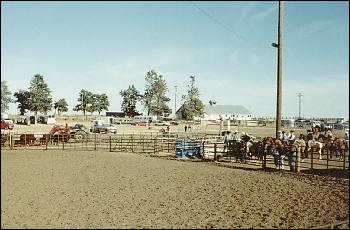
point(23, 98)
point(192, 105)
point(5, 97)
point(40, 98)
point(154, 98)
point(100, 102)
point(61, 106)
point(85, 99)
point(130, 98)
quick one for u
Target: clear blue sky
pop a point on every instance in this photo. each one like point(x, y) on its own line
point(106, 46)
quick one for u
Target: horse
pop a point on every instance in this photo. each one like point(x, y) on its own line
point(315, 147)
point(236, 149)
point(280, 151)
point(328, 146)
point(256, 150)
point(340, 147)
point(268, 144)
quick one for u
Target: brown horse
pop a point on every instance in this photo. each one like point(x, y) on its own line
point(328, 146)
point(340, 147)
point(236, 149)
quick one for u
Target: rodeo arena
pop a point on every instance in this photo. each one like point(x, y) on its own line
point(298, 180)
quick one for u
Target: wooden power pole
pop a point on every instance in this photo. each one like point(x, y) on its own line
point(279, 70)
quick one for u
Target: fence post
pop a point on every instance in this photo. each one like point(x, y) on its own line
point(214, 151)
point(298, 160)
point(344, 159)
point(132, 143)
point(168, 146)
point(110, 143)
point(312, 159)
point(327, 159)
point(203, 148)
point(63, 141)
point(154, 146)
point(11, 141)
point(264, 160)
point(95, 141)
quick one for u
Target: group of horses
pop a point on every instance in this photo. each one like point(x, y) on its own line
point(321, 145)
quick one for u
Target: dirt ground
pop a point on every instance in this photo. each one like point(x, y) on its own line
point(95, 189)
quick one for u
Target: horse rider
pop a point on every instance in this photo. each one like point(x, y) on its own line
point(329, 134)
point(236, 136)
point(291, 136)
point(309, 139)
point(247, 140)
point(279, 135)
point(285, 136)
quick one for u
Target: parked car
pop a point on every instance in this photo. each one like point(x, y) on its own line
point(106, 128)
point(302, 123)
point(174, 122)
point(338, 126)
point(140, 123)
point(7, 124)
point(162, 123)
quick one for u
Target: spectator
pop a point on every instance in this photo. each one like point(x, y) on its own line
point(346, 137)
point(185, 128)
point(292, 156)
point(279, 155)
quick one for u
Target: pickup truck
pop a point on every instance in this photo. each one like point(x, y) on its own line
point(98, 126)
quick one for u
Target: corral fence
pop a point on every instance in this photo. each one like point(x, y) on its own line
point(205, 147)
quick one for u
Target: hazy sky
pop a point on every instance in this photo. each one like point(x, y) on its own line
point(106, 46)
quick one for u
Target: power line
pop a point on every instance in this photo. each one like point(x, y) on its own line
point(226, 27)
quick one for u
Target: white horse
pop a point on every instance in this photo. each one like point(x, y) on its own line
point(315, 144)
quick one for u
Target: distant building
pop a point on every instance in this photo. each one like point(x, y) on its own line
point(115, 114)
point(217, 112)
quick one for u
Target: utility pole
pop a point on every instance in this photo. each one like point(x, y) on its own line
point(299, 95)
point(279, 69)
point(175, 100)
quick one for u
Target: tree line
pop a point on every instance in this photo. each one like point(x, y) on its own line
point(37, 98)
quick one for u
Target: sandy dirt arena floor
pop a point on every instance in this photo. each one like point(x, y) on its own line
point(95, 189)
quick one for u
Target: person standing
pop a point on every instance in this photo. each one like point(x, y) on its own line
point(185, 128)
point(292, 156)
point(346, 138)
